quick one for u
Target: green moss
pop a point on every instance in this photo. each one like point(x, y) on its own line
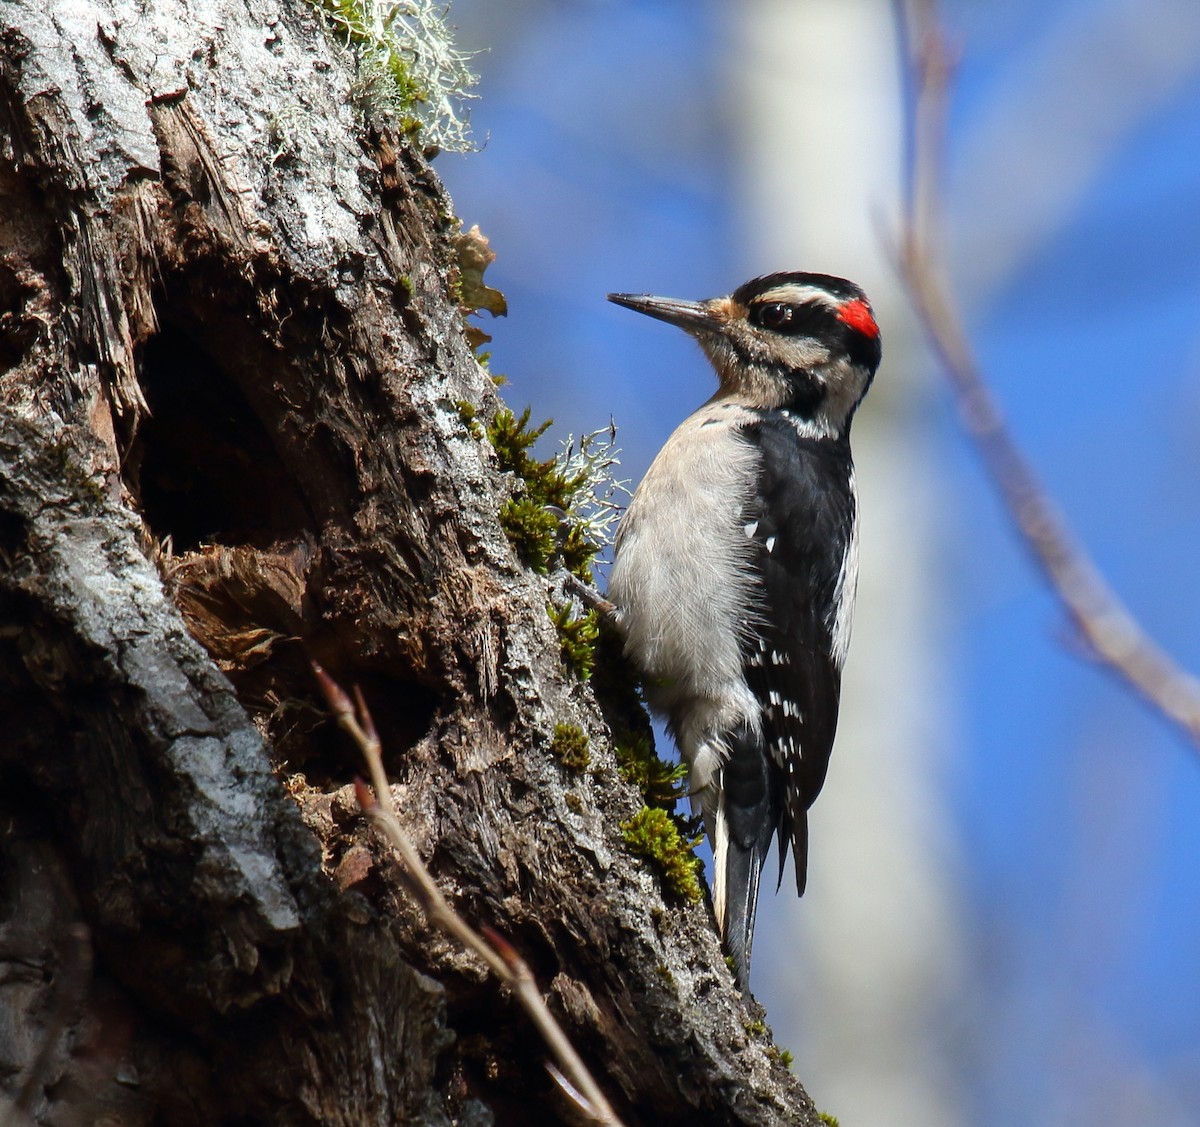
point(570, 746)
point(758, 1030)
point(539, 521)
point(511, 437)
point(653, 834)
point(469, 413)
point(577, 552)
point(827, 1119)
point(576, 638)
point(660, 781)
point(531, 530)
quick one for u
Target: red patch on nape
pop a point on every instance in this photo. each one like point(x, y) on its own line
point(857, 314)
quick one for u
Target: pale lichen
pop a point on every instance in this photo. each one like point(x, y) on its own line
point(408, 64)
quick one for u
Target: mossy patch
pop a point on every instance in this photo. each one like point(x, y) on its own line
point(531, 529)
point(660, 781)
point(577, 635)
point(653, 834)
point(562, 511)
point(569, 745)
point(469, 413)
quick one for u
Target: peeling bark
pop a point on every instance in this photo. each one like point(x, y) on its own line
point(231, 443)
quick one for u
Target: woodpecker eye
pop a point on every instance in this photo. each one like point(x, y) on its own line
point(774, 315)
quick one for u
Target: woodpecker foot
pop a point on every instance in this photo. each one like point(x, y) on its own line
point(589, 596)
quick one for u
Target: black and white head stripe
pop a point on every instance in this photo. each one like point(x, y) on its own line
point(796, 286)
point(814, 305)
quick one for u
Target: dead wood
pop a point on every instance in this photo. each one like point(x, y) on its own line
point(232, 368)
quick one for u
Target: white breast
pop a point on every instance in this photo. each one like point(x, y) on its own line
point(683, 608)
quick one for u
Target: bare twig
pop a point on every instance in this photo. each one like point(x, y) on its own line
point(1113, 634)
point(501, 958)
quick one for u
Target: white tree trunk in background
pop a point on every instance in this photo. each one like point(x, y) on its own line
point(856, 976)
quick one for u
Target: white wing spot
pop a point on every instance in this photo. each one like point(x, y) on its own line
point(770, 543)
point(751, 529)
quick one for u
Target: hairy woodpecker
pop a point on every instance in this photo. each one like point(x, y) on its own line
point(736, 564)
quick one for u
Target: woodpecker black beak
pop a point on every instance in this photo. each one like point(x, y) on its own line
point(694, 316)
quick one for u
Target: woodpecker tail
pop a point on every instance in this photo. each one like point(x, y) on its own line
point(740, 824)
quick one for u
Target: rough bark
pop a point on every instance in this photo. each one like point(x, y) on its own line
point(230, 443)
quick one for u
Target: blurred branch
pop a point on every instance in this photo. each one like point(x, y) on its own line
point(1113, 634)
point(496, 952)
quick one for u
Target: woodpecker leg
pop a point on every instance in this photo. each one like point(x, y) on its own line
point(589, 596)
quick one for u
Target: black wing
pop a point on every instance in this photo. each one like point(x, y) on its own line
point(801, 523)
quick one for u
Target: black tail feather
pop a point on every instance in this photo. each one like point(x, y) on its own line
point(746, 820)
point(797, 836)
point(741, 879)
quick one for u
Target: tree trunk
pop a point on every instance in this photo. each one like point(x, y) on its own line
point(235, 439)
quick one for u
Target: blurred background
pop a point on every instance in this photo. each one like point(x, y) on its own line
point(1003, 917)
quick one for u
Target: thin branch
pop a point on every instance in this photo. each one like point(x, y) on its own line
point(1113, 634)
point(501, 958)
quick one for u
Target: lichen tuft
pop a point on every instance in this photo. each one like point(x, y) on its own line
point(408, 64)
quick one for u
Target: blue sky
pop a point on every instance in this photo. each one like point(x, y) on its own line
point(1080, 811)
point(1075, 811)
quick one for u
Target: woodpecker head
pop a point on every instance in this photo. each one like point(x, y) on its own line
point(805, 342)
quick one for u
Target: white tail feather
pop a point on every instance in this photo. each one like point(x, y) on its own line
point(720, 847)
